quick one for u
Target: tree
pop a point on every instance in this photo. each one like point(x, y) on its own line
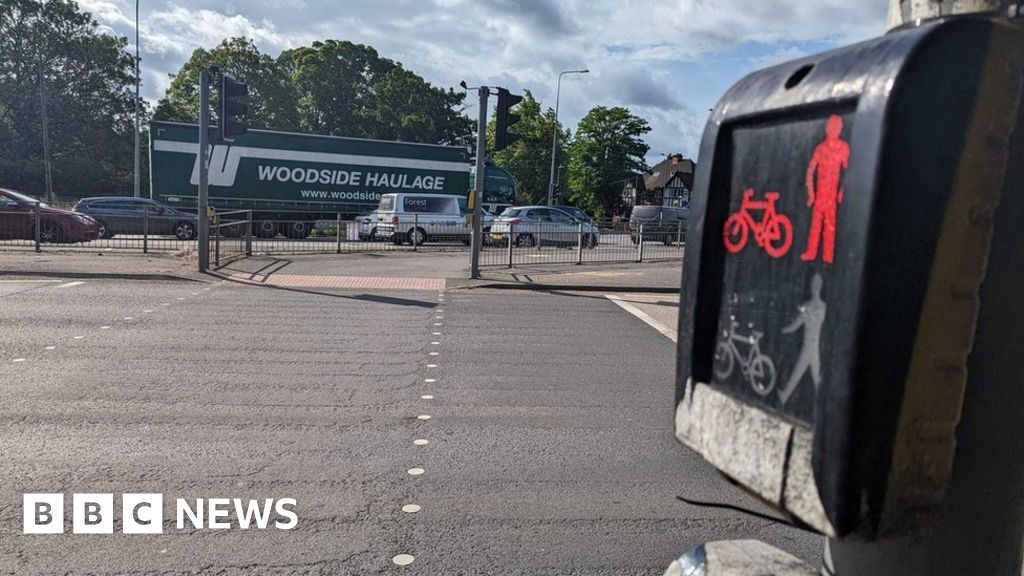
point(52, 52)
point(347, 89)
point(529, 158)
point(608, 150)
point(272, 96)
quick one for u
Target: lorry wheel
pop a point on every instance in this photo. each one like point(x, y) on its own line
point(265, 229)
point(298, 229)
point(185, 231)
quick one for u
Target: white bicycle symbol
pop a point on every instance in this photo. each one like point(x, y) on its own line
point(756, 367)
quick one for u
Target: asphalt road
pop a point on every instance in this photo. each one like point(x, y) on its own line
point(549, 433)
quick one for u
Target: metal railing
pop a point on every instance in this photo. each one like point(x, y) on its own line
point(555, 245)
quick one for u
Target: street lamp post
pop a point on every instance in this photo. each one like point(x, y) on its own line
point(554, 135)
point(137, 161)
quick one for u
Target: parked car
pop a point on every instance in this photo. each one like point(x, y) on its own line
point(18, 221)
point(126, 215)
point(665, 224)
point(530, 225)
point(575, 213)
point(407, 217)
point(367, 223)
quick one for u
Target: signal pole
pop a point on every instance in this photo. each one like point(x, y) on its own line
point(480, 182)
point(204, 171)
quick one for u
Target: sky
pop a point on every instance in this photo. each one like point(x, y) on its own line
point(668, 61)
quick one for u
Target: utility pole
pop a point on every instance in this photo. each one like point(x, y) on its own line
point(554, 133)
point(480, 181)
point(137, 160)
point(47, 167)
point(204, 170)
point(980, 528)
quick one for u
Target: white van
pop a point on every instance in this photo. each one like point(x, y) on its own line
point(418, 218)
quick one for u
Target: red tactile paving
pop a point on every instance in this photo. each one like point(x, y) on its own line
point(354, 282)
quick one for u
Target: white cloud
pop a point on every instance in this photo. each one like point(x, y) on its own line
point(634, 48)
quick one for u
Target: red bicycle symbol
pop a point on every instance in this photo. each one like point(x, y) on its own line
point(774, 232)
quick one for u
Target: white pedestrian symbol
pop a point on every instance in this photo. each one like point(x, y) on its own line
point(811, 318)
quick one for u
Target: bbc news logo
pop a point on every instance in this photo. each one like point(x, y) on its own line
point(144, 513)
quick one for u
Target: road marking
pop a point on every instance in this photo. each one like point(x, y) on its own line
point(50, 348)
point(79, 337)
point(416, 471)
point(411, 508)
point(431, 365)
point(165, 304)
point(437, 333)
point(434, 353)
point(665, 330)
point(128, 318)
point(421, 441)
point(439, 317)
point(104, 327)
point(18, 360)
point(430, 380)
point(403, 559)
point(71, 284)
point(423, 417)
point(181, 297)
point(427, 397)
point(435, 343)
point(146, 311)
point(437, 323)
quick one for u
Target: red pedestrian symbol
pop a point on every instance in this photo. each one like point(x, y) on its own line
point(831, 157)
point(773, 232)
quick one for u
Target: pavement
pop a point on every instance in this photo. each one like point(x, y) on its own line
point(546, 416)
point(452, 267)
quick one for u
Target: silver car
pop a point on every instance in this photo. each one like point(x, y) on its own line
point(530, 225)
point(367, 226)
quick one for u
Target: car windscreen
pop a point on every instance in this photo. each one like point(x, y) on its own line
point(510, 213)
point(19, 197)
point(387, 204)
point(646, 213)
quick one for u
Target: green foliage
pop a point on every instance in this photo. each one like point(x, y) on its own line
point(272, 94)
point(607, 151)
point(529, 158)
point(51, 51)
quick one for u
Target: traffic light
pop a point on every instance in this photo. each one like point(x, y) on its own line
point(505, 119)
point(230, 89)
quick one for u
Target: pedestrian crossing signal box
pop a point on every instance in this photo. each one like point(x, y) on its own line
point(839, 230)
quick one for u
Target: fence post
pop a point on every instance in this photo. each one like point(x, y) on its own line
point(216, 239)
point(640, 244)
point(145, 230)
point(415, 230)
point(337, 249)
point(38, 222)
point(540, 234)
point(679, 235)
point(579, 244)
point(248, 233)
point(511, 242)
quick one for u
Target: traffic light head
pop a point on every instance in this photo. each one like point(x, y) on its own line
point(231, 108)
point(505, 119)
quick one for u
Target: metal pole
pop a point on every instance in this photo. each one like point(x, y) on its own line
point(204, 170)
point(415, 230)
point(554, 133)
point(248, 233)
point(338, 247)
point(579, 244)
point(478, 186)
point(35, 216)
point(640, 244)
point(137, 157)
point(511, 236)
point(145, 231)
point(216, 239)
point(47, 166)
point(679, 234)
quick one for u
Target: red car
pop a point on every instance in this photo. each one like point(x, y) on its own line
point(17, 221)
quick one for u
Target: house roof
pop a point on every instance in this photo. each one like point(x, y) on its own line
point(664, 171)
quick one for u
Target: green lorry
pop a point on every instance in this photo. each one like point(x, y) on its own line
point(303, 178)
